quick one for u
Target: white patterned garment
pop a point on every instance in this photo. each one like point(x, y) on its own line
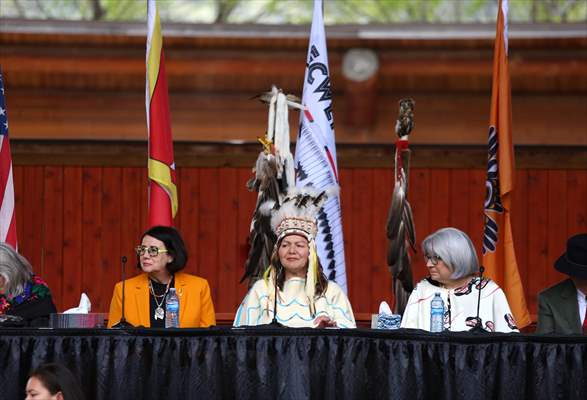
point(460, 307)
point(293, 308)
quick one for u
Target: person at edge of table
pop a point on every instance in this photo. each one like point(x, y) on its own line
point(562, 308)
point(161, 256)
point(22, 293)
point(305, 298)
point(452, 263)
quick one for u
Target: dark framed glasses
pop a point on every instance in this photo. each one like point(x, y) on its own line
point(432, 259)
point(153, 251)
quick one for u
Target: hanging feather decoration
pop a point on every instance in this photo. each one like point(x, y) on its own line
point(274, 174)
point(401, 232)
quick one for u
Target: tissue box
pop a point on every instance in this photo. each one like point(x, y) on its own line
point(388, 321)
point(90, 320)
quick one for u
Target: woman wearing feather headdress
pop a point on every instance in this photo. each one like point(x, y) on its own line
point(294, 289)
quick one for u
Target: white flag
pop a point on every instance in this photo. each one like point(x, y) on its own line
point(315, 157)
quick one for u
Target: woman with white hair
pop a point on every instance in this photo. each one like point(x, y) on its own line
point(452, 263)
point(22, 293)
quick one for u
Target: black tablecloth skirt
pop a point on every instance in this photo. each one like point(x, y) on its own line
point(300, 364)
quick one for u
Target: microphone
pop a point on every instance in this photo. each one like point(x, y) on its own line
point(123, 324)
point(478, 327)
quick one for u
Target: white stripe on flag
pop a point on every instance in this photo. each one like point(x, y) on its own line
point(504, 9)
point(7, 209)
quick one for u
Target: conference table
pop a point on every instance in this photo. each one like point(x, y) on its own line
point(286, 363)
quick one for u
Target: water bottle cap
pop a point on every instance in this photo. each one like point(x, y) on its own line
point(172, 290)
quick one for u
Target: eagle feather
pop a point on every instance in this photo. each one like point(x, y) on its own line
point(401, 231)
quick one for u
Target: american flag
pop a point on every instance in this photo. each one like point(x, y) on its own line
point(7, 215)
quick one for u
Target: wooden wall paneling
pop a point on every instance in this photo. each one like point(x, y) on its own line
point(112, 249)
point(246, 205)
point(178, 220)
point(52, 227)
point(32, 233)
point(576, 202)
point(131, 226)
point(477, 179)
point(228, 255)
point(345, 181)
point(381, 287)
point(18, 179)
point(537, 234)
point(439, 199)
point(208, 240)
point(72, 238)
point(519, 219)
point(459, 202)
point(362, 241)
point(93, 238)
point(188, 214)
point(419, 200)
point(91, 216)
point(144, 196)
point(557, 222)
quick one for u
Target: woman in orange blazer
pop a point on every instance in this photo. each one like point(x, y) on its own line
point(161, 255)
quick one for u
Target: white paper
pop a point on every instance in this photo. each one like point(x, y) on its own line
point(384, 308)
point(85, 306)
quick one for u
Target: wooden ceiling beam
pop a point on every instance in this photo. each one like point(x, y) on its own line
point(91, 86)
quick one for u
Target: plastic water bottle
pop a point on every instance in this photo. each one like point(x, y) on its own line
point(437, 314)
point(172, 310)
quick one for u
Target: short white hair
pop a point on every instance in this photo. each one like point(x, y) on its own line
point(15, 269)
point(455, 249)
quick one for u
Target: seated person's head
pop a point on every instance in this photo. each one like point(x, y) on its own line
point(15, 271)
point(170, 253)
point(291, 254)
point(573, 262)
point(53, 382)
point(450, 255)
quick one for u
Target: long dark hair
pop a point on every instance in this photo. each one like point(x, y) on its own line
point(321, 282)
point(173, 243)
point(56, 378)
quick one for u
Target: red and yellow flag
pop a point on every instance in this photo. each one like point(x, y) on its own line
point(163, 202)
point(499, 257)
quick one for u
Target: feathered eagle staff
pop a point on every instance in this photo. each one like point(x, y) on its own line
point(274, 175)
point(400, 223)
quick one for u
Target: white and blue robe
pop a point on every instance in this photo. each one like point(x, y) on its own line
point(293, 305)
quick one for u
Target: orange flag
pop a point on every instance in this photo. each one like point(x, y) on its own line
point(499, 257)
point(163, 202)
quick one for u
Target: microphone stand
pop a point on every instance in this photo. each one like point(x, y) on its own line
point(123, 324)
point(274, 323)
point(478, 328)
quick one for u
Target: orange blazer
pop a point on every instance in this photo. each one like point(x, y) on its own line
point(195, 303)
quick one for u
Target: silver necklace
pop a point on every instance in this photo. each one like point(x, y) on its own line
point(159, 314)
